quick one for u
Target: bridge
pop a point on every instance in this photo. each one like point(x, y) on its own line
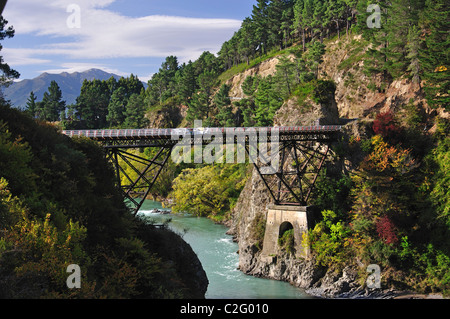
point(298, 152)
point(301, 152)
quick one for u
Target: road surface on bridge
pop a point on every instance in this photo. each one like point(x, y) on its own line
point(133, 134)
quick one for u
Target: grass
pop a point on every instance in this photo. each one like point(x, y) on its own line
point(242, 67)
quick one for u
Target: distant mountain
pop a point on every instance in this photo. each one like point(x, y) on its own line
point(70, 84)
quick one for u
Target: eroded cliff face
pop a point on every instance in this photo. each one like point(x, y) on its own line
point(352, 100)
point(263, 69)
point(252, 208)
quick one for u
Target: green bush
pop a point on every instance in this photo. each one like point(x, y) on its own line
point(286, 242)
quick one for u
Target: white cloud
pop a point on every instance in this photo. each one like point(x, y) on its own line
point(20, 57)
point(107, 34)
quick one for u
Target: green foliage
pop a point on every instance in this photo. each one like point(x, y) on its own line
point(328, 241)
point(51, 107)
point(441, 190)
point(15, 156)
point(208, 191)
point(59, 206)
point(286, 241)
point(434, 55)
point(223, 104)
point(7, 74)
point(333, 192)
point(135, 112)
point(258, 230)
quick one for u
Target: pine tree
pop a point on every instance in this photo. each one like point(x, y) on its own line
point(274, 20)
point(335, 12)
point(314, 56)
point(186, 81)
point(198, 107)
point(400, 14)
point(7, 75)
point(267, 102)
point(222, 101)
point(247, 43)
point(435, 23)
point(285, 76)
point(31, 105)
point(412, 47)
point(135, 112)
point(260, 17)
point(52, 104)
point(299, 21)
point(92, 104)
point(117, 108)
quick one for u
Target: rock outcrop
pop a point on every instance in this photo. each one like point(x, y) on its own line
point(263, 69)
point(357, 96)
point(253, 205)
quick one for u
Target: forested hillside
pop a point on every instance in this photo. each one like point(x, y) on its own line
point(59, 206)
point(384, 196)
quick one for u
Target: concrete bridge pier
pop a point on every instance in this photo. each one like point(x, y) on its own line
point(283, 218)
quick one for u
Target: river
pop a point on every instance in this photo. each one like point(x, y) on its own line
point(218, 255)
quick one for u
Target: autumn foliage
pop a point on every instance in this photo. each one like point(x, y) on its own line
point(386, 230)
point(386, 125)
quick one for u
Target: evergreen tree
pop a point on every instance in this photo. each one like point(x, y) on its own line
point(274, 19)
point(260, 18)
point(135, 112)
point(300, 21)
point(186, 81)
point(31, 105)
point(319, 18)
point(413, 46)
point(247, 42)
point(92, 104)
point(314, 56)
point(117, 107)
point(335, 12)
point(198, 107)
point(222, 101)
point(267, 102)
point(400, 15)
point(250, 85)
point(133, 85)
point(7, 75)
point(434, 56)
point(285, 76)
point(247, 108)
point(52, 105)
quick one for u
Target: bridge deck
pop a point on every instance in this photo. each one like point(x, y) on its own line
point(148, 134)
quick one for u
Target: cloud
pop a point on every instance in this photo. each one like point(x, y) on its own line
point(20, 57)
point(107, 34)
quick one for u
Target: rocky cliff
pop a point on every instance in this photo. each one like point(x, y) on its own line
point(356, 96)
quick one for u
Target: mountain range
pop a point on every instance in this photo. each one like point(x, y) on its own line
point(69, 83)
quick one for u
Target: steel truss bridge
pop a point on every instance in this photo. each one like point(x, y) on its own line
point(299, 152)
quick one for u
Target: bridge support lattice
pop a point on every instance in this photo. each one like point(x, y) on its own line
point(137, 189)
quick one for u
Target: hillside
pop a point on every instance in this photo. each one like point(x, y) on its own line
point(69, 83)
point(59, 206)
point(350, 186)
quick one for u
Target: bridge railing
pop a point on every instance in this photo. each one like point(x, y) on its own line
point(168, 133)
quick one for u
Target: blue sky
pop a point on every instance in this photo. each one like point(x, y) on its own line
point(119, 36)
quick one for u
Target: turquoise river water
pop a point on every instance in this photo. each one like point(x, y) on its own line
point(218, 255)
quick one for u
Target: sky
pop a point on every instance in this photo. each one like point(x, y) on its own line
point(117, 36)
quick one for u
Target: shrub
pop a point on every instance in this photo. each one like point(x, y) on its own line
point(286, 241)
point(386, 230)
point(386, 125)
